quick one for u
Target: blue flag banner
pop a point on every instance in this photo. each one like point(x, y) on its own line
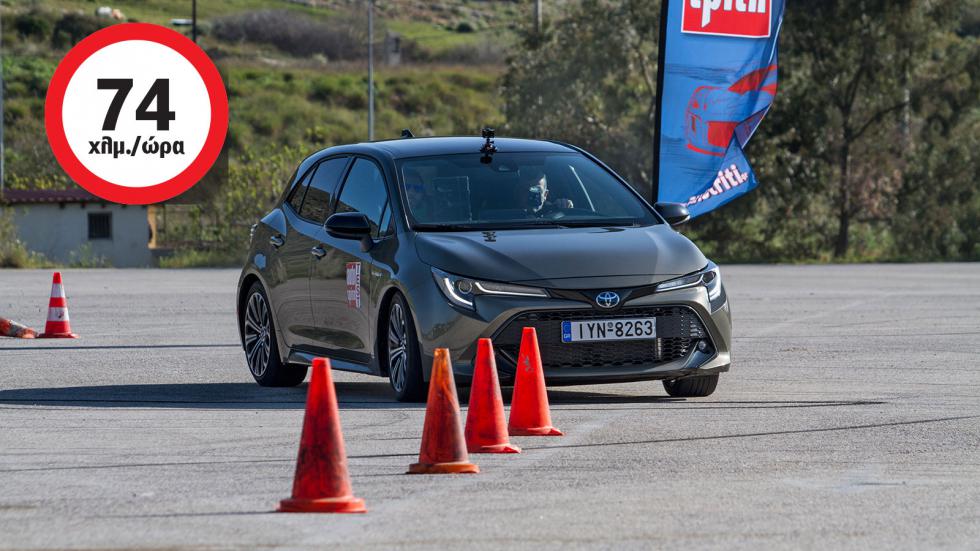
point(718, 80)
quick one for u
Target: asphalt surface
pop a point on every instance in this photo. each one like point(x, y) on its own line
point(851, 419)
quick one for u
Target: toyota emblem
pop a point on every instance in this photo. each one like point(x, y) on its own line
point(607, 299)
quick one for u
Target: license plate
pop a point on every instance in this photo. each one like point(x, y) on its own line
point(609, 330)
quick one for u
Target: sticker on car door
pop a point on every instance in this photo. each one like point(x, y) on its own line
point(353, 284)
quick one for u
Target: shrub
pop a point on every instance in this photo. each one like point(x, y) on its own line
point(73, 27)
point(13, 252)
point(341, 91)
point(483, 52)
point(27, 76)
point(86, 257)
point(35, 25)
point(295, 34)
point(193, 258)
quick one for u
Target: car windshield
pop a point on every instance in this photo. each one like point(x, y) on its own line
point(515, 190)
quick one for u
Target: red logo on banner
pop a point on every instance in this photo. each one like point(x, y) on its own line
point(744, 18)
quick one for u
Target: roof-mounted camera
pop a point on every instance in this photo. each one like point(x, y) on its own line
point(488, 148)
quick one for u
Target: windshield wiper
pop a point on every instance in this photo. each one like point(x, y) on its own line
point(563, 223)
point(535, 224)
point(598, 223)
point(526, 224)
point(452, 227)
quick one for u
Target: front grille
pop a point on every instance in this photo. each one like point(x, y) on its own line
point(678, 330)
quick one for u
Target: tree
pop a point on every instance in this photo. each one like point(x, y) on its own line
point(866, 59)
point(939, 202)
point(872, 92)
point(590, 79)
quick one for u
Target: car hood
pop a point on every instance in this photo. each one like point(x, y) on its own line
point(566, 258)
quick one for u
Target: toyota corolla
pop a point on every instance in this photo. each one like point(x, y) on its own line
point(378, 253)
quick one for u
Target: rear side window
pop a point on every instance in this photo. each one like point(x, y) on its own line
point(364, 192)
point(322, 187)
point(296, 197)
point(385, 228)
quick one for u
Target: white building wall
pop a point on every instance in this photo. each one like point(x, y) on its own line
point(56, 231)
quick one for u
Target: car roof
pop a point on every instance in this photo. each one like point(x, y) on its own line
point(424, 147)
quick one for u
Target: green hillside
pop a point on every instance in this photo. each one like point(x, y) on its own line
point(295, 72)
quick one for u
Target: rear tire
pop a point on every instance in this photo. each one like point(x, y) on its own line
point(261, 348)
point(400, 351)
point(692, 387)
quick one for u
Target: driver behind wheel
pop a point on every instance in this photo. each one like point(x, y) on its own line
point(532, 193)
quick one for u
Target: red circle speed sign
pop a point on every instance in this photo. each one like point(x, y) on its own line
point(136, 113)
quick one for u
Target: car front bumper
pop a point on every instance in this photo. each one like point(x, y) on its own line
point(692, 338)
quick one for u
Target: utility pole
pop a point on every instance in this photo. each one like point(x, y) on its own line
point(537, 16)
point(194, 21)
point(370, 70)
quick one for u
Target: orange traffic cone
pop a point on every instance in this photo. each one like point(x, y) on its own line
point(10, 328)
point(443, 447)
point(486, 426)
point(529, 412)
point(57, 326)
point(322, 484)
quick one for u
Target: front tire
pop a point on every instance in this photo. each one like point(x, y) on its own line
point(400, 352)
point(261, 348)
point(692, 387)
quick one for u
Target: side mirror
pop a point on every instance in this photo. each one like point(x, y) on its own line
point(674, 213)
point(349, 225)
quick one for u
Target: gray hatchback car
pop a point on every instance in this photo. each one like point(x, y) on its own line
point(378, 253)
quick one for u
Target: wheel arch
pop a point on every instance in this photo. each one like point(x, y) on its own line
point(381, 322)
point(249, 279)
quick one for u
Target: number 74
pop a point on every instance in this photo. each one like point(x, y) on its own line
point(160, 90)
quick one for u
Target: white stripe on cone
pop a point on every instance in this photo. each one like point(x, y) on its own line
point(57, 313)
point(57, 290)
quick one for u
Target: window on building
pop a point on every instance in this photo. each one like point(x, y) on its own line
point(100, 225)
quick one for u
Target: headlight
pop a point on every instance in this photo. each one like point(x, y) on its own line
point(462, 290)
point(710, 277)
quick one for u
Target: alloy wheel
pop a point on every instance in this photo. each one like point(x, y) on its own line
point(258, 334)
point(397, 347)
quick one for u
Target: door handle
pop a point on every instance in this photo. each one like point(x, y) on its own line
point(318, 252)
point(276, 241)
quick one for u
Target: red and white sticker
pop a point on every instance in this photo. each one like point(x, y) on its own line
point(739, 18)
point(136, 113)
point(353, 284)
